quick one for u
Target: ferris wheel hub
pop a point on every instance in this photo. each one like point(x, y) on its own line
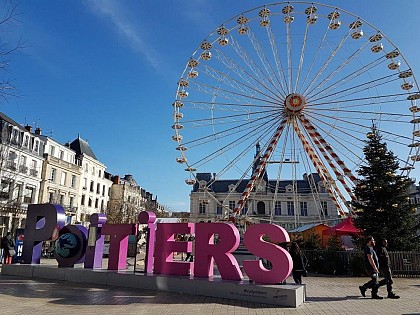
point(294, 103)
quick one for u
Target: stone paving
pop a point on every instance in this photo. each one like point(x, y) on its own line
point(325, 295)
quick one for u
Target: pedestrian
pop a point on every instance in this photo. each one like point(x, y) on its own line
point(299, 269)
point(8, 245)
point(385, 268)
point(190, 255)
point(372, 269)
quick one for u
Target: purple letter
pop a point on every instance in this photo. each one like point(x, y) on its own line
point(278, 256)
point(206, 252)
point(167, 245)
point(41, 221)
point(119, 243)
point(70, 247)
point(95, 245)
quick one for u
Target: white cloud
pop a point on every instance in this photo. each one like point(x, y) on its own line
point(118, 16)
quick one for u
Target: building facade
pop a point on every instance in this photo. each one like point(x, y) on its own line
point(60, 177)
point(21, 156)
point(95, 183)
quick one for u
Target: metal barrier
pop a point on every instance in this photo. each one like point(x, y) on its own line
point(403, 264)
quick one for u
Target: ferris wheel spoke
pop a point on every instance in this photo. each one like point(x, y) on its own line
point(337, 70)
point(251, 80)
point(258, 123)
point(228, 119)
point(321, 44)
point(302, 55)
point(269, 70)
point(277, 60)
point(365, 127)
point(289, 56)
point(327, 62)
point(358, 88)
point(231, 145)
point(253, 66)
point(352, 76)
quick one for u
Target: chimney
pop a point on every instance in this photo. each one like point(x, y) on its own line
point(38, 131)
point(29, 128)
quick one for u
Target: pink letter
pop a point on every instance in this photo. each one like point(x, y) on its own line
point(206, 252)
point(166, 246)
point(119, 243)
point(278, 256)
point(149, 218)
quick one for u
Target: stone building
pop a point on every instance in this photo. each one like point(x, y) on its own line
point(95, 183)
point(21, 156)
point(60, 177)
point(289, 203)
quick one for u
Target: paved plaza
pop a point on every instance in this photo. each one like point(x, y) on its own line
point(325, 295)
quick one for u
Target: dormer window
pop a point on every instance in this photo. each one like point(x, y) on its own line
point(289, 188)
point(26, 141)
point(15, 136)
point(36, 145)
point(231, 188)
point(202, 184)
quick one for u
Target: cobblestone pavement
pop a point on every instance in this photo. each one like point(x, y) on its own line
point(325, 295)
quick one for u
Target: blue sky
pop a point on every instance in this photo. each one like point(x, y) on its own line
point(108, 70)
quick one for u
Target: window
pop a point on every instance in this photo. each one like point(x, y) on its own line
point(232, 205)
point(53, 175)
point(61, 199)
point(17, 192)
point(245, 209)
point(98, 188)
point(219, 209)
point(92, 184)
point(71, 201)
point(86, 167)
point(304, 208)
point(28, 194)
point(5, 189)
point(50, 197)
point(93, 170)
point(63, 178)
point(15, 136)
point(103, 190)
point(277, 208)
point(85, 183)
point(96, 203)
point(90, 202)
point(73, 181)
point(26, 141)
point(202, 208)
point(82, 202)
point(36, 146)
point(324, 206)
point(61, 155)
point(290, 208)
point(100, 173)
point(52, 150)
point(102, 205)
point(23, 160)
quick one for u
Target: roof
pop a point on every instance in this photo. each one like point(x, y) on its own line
point(305, 227)
point(345, 227)
point(222, 186)
point(4, 117)
point(81, 146)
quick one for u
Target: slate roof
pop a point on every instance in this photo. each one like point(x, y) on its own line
point(6, 118)
point(222, 186)
point(81, 146)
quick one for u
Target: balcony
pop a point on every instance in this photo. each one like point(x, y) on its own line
point(23, 169)
point(70, 209)
point(33, 172)
point(11, 166)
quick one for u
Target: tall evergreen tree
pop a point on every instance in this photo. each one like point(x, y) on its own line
point(383, 205)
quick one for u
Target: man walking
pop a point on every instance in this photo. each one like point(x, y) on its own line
point(385, 268)
point(372, 268)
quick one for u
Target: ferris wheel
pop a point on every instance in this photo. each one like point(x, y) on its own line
point(304, 83)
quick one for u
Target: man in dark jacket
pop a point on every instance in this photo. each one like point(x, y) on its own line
point(372, 269)
point(385, 268)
